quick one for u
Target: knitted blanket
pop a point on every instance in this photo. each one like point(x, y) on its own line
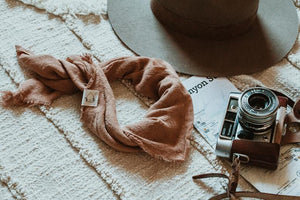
point(46, 152)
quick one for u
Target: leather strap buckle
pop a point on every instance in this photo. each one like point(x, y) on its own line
point(243, 158)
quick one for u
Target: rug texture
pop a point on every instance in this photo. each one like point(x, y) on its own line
point(48, 153)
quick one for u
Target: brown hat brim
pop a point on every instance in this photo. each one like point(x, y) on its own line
point(272, 36)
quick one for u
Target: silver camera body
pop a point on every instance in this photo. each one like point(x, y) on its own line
point(251, 116)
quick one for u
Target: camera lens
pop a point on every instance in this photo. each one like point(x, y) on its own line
point(258, 101)
point(257, 109)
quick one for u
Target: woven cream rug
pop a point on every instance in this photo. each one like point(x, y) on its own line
point(47, 153)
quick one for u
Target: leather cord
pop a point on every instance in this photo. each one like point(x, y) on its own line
point(231, 192)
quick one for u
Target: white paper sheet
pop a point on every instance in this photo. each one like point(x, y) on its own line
point(210, 97)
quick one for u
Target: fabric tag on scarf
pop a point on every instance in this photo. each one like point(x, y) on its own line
point(90, 98)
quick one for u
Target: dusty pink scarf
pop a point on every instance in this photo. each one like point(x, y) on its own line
point(162, 133)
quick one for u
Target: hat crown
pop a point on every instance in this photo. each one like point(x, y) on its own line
point(212, 12)
point(211, 19)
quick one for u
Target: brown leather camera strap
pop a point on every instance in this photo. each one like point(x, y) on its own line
point(231, 192)
point(292, 134)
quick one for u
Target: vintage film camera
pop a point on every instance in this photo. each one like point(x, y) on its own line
point(253, 127)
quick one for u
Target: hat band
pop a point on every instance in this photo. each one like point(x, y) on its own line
point(198, 29)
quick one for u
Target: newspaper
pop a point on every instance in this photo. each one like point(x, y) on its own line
point(210, 96)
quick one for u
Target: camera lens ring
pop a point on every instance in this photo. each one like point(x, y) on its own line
point(257, 109)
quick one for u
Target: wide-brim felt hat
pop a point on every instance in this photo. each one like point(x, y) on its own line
point(159, 29)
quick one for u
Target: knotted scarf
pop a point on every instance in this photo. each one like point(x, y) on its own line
point(162, 133)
